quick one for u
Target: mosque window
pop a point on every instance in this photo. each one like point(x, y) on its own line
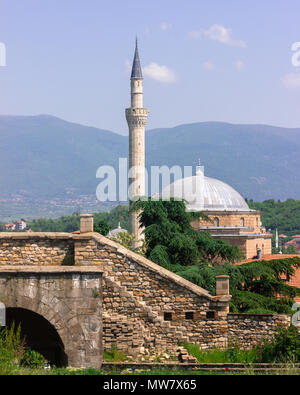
point(217, 221)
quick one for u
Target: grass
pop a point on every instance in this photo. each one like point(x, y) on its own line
point(288, 370)
point(233, 354)
point(113, 355)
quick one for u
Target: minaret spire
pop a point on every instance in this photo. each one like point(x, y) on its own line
point(136, 65)
point(136, 117)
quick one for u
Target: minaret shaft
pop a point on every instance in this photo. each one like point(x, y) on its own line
point(136, 117)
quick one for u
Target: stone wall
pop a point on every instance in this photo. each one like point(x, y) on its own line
point(251, 220)
point(265, 245)
point(144, 305)
point(36, 249)
point(251, 329)
point(137, 293)
point(249, 244)
point(69, 298)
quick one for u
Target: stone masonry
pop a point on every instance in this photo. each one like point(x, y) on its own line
point(70, 298)
point(144, 305)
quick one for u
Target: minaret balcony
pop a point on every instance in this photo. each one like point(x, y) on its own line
point(137, 111)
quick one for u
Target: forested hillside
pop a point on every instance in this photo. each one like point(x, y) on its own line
point(285, 216)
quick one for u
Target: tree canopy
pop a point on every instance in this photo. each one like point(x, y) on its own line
point(171, 242)
point(170, 238)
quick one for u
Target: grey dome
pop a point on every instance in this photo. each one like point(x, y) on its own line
point(115, 232)
point(205, 194)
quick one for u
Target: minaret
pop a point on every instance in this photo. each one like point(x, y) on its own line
point(136, 117)
point(276, 239)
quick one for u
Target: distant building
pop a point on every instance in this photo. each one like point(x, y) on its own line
point(10, 226)
point(20, 225)
point(115, 232)
point(230, 218)
point(294, 242)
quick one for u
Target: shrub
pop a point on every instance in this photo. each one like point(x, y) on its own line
point(113, 355)
point(11, 348)
point(285, 347)
point(32, 359)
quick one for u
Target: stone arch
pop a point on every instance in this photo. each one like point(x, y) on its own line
point(63, 324)
point(38, 334)
point(70, 299)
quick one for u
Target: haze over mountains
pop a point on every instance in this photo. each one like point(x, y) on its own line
point(44, 156)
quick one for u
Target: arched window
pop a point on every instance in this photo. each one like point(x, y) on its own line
point(242, 222)
point(217, 221)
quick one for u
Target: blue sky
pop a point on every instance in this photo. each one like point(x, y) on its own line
point(210, 60)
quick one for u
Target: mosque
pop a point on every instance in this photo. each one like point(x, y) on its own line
point(231, 219)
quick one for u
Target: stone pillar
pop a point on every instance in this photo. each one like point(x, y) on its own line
point(222, 292)
point(222, 285)
point(86, 223)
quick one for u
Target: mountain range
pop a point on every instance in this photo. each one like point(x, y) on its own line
point(44, 156)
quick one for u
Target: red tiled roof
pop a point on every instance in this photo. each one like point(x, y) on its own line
point(290, 242)
point(269, 257)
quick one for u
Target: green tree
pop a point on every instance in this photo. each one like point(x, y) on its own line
point(168, 231)
point(125, 239)
point(102, 227)
point(172, 243)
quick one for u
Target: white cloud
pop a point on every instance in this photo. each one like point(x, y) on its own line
point(208, 65)
point(165, 26)
point(239, 64)
point(291, 80)
point(160, 73)
point(219, 33)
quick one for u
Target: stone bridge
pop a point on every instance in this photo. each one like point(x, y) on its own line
point(77, 294)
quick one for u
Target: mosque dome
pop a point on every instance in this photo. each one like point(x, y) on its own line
point(203, 193)
point(115, 232)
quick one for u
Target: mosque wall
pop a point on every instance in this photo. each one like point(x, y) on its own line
point(235, 219)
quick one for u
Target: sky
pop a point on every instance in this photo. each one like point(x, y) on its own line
point(212, 60)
